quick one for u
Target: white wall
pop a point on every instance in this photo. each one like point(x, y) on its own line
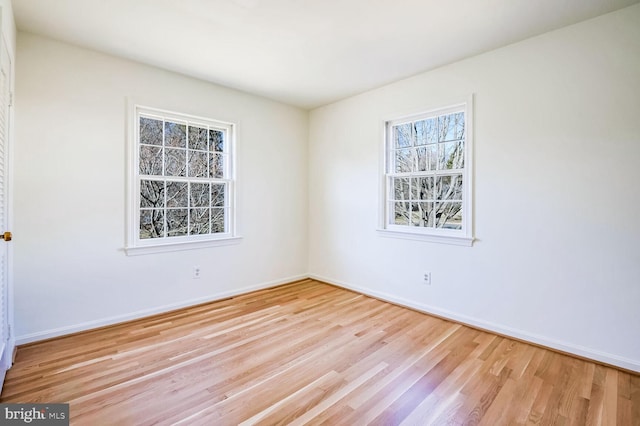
point(557, 148)
point(70, 270)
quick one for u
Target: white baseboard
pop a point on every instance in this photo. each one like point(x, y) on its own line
point(89, 325)
point(581, 351)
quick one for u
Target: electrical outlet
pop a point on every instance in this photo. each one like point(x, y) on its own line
point(196, 272)
point(427, 278)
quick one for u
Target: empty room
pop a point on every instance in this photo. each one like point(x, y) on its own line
point(262, 212)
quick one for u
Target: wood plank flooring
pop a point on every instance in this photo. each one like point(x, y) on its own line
point(311, 353)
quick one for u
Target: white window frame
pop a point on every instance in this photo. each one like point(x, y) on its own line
point(464, 236)
point(134, 244)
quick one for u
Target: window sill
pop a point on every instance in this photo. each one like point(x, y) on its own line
point(431, 238)
point(188, 245)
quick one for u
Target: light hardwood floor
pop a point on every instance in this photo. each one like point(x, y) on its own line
point(311, 353)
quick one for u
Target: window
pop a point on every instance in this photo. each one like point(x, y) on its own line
point(181, 181)
point(427, 181)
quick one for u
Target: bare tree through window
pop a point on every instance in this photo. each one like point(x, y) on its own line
point(426, 160)
point(183, 176)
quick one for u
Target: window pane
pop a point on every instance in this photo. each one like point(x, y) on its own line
point(199, 221)
point(216, 165)
point(217, 220)
point(449, 215)
point(151, 224)
point(421, 214)
point(432, 157)
point(197, 138)
point(216, 140)
point(400, 213)
point(175, 162)
point(175, 134)
point(426, 131)
point(432, 130)
point(449, 187)
point(451, 155)
point(404, 159)
point(451, 127)
point(151, 193)
point(200, 195)
point(150, 131)
point(420, 132)
point(177, 194)
point(176, 222)
point(422, 188)
point(459, 125)
point(402, 135)
point(150, 160)
point(427, 157)
point(217, 195)
point(198, 164)
point(400, 188)
point(421, 159)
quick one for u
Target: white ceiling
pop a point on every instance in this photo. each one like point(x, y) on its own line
point(302, 52)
